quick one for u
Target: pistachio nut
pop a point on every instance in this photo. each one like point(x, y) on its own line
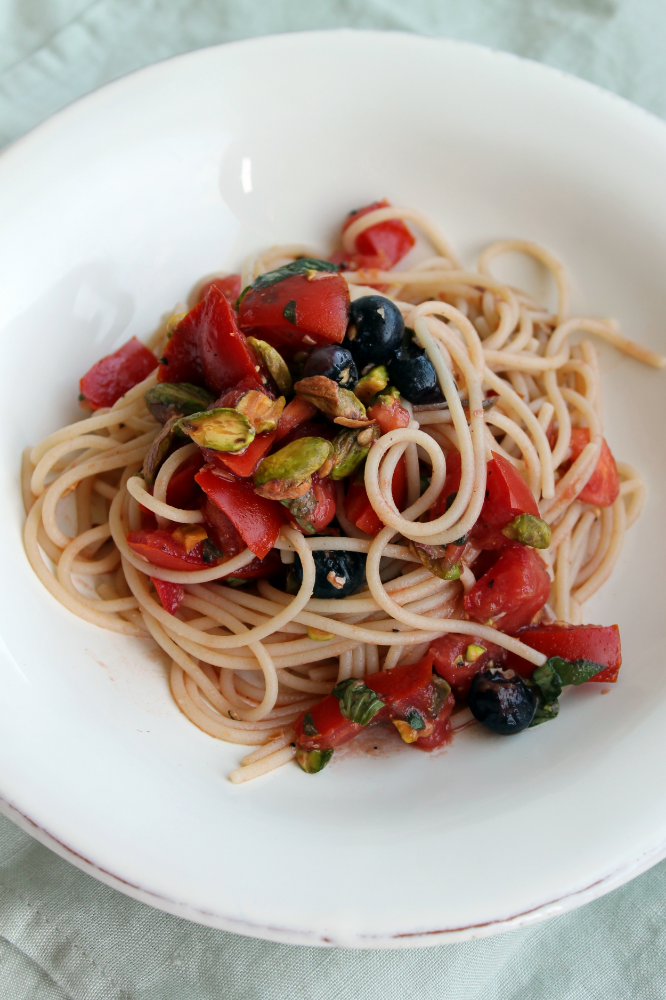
point(312, 761)
point(159, 449)
point(350, 448)
point(301, 509)
point(274, 362)
point(473, 652)
point(297, 460)
point(176, 399)
point(435, 559)
point(222, 429)
point(529, 530)
point(375, 381)
point(319, 635)
point(263, 412)
point(283, 489)
point(189, 535)
point(330, 398)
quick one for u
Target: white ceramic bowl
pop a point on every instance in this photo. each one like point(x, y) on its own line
point(109, 213)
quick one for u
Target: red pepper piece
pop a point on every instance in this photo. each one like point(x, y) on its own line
point(389, 414)
point(182, 490)
point(170, 594)
point(603, 486)
point(208, 349)
point(358, 508)
point(314, 306)
point(296, 412)
point(387, 242)
point(161, 549)
point(515, 588)
point(229, 286)
point(451, 648)
point(116, 374)
point(599, 643)
point(257, 519)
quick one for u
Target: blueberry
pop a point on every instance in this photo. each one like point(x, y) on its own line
point(334, 362)
point(501, 701)
point(412, 372)
point(338, 573)
point(375, 329)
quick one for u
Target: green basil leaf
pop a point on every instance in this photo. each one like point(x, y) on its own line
point(414, 720)
point(309, 727)
point(548, 679)
point(545, 712)
point(358, 702)
point(301, 266)
point(289, 312)
point(209, 552)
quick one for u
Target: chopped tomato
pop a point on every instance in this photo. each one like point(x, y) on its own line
point(170, 594)
point(403, 690)
point(385, 242)
point(260, 569)
point(301, 310)
point(296, 412)
point(208, 349)
point(231, 397)
point(599, 643)
point(449, 659)
point(309, 428)
point(247, 463)
point(160, 548)
point(512, 591)
point(182, 490)
point(603, 487)
point(389, 414)
point(116, 374)
point(358, 508)
point(229, 286)
point(257, 519)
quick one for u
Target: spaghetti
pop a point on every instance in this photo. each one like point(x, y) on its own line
point(247, 661)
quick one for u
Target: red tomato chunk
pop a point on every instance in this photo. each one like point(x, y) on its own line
point(229, 286)
point(161, 549)
point(449, 660)
point(512, 591)
point(116, 374)
point(208, 349)
point(360, 511)
point(301, 310)
point(380, 246)
point(170, 594)
point(603, 486)
point(599, 643)
point(257, 519)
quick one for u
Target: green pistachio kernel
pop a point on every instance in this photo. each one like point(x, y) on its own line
point(473, 652)
point(375, 381)
point(263, 412)
point(441, 691)
point(223, 429)
point(297, 460)
point(350, 447)
point(176, 399)
point(529, 530)
point(274, 362)
point(358, 702)
point(330, 398)
point(312, 761)
point(302, 508)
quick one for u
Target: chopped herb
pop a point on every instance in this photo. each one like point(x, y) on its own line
point(289, 312)
point(309, 727)
point(81, 397)
point(414, 720)
point(358, 702)
point(209, 552)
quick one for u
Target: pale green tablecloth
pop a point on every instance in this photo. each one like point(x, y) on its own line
point(61, 933)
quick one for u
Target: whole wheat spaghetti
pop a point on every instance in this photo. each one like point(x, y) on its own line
point(247, 659)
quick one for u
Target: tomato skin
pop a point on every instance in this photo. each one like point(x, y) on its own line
point(111, 377)
point(229, 286)
point(599, 643)
point(248, 384)
point(160, 548)
point(448, 647)
point(507, 494)
point(389, 414)
point(324, 491)
point(387, 242)
point(516, 587)
point(358, 508)
point(321, 311)
point(257, 519)
point(170, 594)
point(603, 487)
point(441, 733)
point(208, 349)
point(296, 412)
point(182, 490)
point(247, 463)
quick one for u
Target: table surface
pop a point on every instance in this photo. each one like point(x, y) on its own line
point(64, 935)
